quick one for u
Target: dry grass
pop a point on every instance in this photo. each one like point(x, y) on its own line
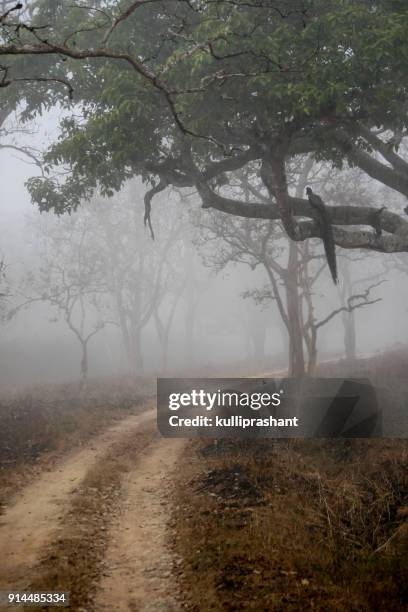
point(43, 422)
point(295, 524)
point(392, 364)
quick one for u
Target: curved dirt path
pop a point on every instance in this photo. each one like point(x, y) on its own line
point(34, 515)
point(138, 566)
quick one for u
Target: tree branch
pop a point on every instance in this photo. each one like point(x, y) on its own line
point(363, 301)
point(396, 227)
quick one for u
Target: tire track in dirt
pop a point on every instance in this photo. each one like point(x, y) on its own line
point(32, 518)
point(137, 574)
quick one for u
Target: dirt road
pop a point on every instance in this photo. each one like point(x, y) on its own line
point(138, 566)
point(135, 571)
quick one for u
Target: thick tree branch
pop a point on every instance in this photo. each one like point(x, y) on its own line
point(385, 148)
point(394, 240)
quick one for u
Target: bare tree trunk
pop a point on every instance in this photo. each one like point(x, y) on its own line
point(191, 290)
point(84, 362)
point(165, 354)
point(128, 346)
point(136, 362)
point(296, 354)
point(255, 334)
point(132, 342)
point(133, 347)
point(164, 329)
point(163, 333)
point(291, 313)
point(312, 352)
point(348, 318)
point(349, 323)
point(258, 337)
point(190, 327)
point(162, 339)
point(124, 329)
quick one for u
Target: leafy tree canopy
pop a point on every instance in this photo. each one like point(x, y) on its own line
point(185, 92)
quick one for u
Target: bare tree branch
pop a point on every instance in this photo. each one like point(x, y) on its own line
point(360, 299)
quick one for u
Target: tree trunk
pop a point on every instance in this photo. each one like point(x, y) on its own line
point(134, 353)
point(191, 289)
point(163, 336)
point(163, 340)
point(165, 353)
point(312, 352)
point(189, 330)
point(84, 363)
point(348, 318)
point(349, 323)
point(296, 354)
point(273, 174)
point(137, 354)
point(258, 338)
point(163, 329)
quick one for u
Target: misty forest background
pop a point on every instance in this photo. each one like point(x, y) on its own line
point(200, 296)
point(204, 286)
point(90, 293)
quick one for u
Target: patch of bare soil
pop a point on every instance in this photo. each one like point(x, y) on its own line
point(31, 520)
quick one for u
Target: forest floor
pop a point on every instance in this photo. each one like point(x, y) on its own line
point(277, 525)
point(294, 525)
point(94, 524)
point(126, 520)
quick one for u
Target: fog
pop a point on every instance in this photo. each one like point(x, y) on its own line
point(227, 310)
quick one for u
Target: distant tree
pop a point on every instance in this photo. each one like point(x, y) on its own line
point(164, 321)
point(256, 321)
point(350, 303)
point(180, 286)
point(70, 279)
point(99, 267)
point(371, 273)
point(5, 292)
point(193, 293)
point(142, 277)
